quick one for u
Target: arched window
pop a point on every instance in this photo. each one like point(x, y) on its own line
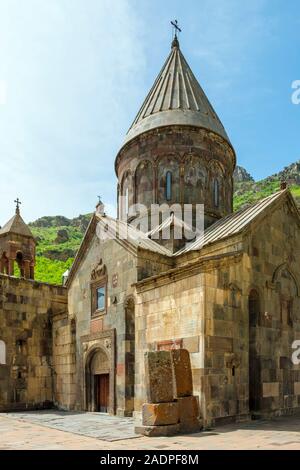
point(216, 193)
point(168, 186)
point(4, 264)
point(2, 352)
point(254, 308)
point(126, 201)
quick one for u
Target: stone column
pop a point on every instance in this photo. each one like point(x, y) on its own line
point(27, 269)
point(11, 267)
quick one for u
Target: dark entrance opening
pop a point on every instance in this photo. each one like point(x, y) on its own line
point(102, 392)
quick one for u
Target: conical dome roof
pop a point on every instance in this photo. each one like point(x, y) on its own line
point(176, 98)
point(16, 225)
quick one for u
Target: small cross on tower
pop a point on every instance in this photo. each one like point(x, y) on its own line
point(18, 202)
point(175, 28)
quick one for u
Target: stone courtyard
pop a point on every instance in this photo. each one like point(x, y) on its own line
point(53, 430)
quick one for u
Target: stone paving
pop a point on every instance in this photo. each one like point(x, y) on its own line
point(98, 425)
point(47, 430)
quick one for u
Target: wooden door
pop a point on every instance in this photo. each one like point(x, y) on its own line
point(102, 392)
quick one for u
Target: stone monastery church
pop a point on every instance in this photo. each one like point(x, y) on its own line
point(232, 301)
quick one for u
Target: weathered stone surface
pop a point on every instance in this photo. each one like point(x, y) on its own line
point(157, 431)
point(160, 414)
point(271, 389)
point(159, 376)
point(190, 426)
point(183, 381)
point(188, 408)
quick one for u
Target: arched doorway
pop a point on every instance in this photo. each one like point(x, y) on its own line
point(254, 363)
point(98, 381)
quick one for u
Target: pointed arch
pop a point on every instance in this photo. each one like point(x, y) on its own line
point(126, 194)
point(195, 179)
point(144, 183)
point(284, 269)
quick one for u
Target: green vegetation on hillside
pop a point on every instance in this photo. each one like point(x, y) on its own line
point(51, 271)
point(251, 192)
point(47, 244)
point(58, 240)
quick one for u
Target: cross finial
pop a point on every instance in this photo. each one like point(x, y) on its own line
point(18, 202)
point(176, 30)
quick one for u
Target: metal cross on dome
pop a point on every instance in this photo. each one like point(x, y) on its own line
point(175, 28)
point(18, 202)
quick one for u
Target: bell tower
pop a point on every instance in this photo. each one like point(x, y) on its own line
point(17, 247)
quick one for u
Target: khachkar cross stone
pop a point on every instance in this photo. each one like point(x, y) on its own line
point(18, 202)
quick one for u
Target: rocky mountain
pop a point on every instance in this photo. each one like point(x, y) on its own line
point(241, 175)
point(248, 191)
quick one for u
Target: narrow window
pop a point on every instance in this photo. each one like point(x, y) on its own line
point(216, 193)
point(2, 352)
point(101, 298)
point(169, 186)
point(126, 202)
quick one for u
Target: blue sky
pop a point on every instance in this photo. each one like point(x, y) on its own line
point(73, 74)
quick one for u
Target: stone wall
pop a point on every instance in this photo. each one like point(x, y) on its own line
point(105, 332)
point(26, 313)
point(170, 314)
point(64, 361)
point(248, 345)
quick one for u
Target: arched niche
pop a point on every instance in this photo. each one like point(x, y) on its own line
point(168, 171)
point(287, 288)
point(216, 185)
point(195, 179)
point(144, 183)
point(126, 194)
point(285, 281)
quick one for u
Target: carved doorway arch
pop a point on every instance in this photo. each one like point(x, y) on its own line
point(98, 379)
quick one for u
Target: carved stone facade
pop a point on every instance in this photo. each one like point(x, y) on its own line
point(201, 165)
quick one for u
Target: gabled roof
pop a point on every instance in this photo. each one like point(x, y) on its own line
point(237, 222)
point(229, 226)
point(127, 235)
point(176, 98)
point(133, 236)
point(16, 225)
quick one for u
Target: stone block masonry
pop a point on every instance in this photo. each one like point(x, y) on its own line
point(26, 314)
point(167, 418)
